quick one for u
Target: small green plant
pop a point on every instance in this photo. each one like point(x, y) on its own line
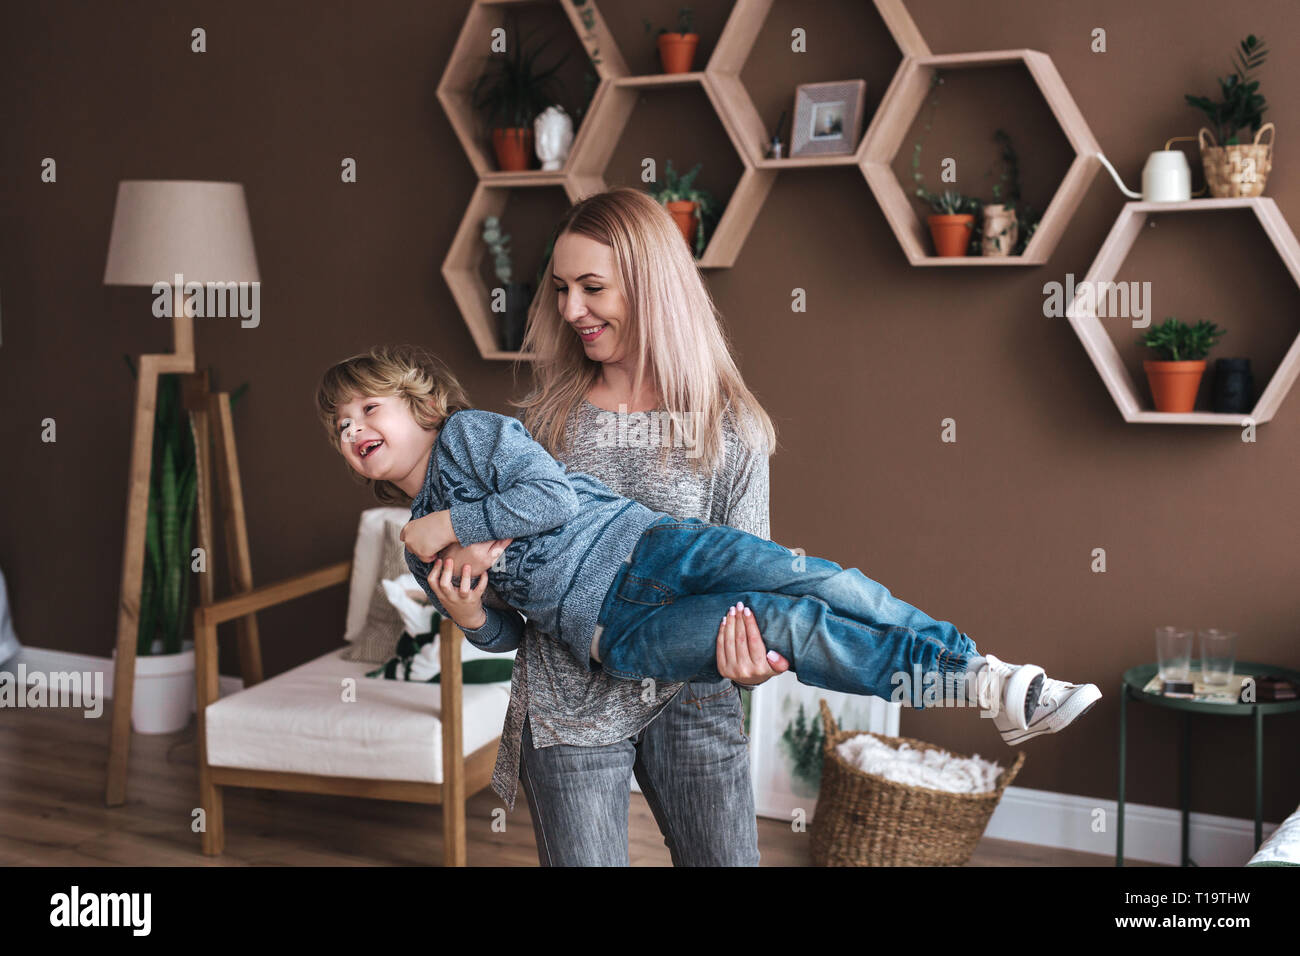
point(1242, 105)
point(681, 188)
point(1027, 217)
point(950, 202)
point(587, 14)
point(685, 23)
point(936, 79)
point(499, 246)
point(514, 90)
point(1176, 341)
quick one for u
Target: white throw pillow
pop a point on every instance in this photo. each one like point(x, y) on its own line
point(367, 559)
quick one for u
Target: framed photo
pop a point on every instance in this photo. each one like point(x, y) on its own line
point(786, 740)
point(827, 117)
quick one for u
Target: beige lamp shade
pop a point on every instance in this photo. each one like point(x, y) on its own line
point(165, 227)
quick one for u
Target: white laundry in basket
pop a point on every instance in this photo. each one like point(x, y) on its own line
point(936, 769)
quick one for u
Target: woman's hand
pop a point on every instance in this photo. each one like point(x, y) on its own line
point(480, 557)
point(743, 657)
point(464, 604)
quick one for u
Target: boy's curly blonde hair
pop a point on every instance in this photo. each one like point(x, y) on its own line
point(430, 389)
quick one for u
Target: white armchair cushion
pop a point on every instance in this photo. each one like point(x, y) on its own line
point(298, 722)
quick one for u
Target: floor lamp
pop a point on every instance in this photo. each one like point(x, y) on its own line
point(166, 235)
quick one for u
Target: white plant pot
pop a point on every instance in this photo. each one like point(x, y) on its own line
point(164, 691)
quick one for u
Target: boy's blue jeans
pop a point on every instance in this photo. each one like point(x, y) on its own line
point(839, 629)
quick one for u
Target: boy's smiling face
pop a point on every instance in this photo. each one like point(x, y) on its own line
point(381, 440)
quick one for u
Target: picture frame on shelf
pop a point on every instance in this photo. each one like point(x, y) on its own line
point(827, 118)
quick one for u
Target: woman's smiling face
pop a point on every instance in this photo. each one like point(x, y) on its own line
point(589, 297)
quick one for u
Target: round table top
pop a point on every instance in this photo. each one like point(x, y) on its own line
point(1135, 678)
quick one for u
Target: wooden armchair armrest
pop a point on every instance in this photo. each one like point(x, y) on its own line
point(269, 595)
point(208, 616)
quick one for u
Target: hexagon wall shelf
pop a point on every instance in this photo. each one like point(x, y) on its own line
point(471, 53)
point(737, 107)
point(461, 267)
point(901, 105)
point(609, 118)
point(1106, 358)
point(616, 96)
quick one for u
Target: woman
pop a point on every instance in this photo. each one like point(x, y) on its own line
point(631, 329)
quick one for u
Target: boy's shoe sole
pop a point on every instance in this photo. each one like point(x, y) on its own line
point(1060, 704)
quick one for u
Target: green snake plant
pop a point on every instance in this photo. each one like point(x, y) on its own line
point(165, 593)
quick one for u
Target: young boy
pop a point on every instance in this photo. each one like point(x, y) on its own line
point(626, 587)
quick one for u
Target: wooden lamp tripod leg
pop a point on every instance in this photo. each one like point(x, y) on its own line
point(128, 614)
point(238, 563)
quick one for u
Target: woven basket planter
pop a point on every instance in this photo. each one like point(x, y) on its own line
point(865, 820)
point(1233, 172)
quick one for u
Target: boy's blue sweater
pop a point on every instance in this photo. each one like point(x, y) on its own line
point(571, 531)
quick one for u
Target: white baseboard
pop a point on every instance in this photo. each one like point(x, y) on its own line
point(1041, 817)
point(1152, 834)
point(46, 661)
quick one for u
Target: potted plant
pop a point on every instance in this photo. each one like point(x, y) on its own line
point(510, 94)
point(1233, 168)
point(518, 295)
point(693, 209)
point(1175, 377)
point(163, 699)
point(677, 50)
point(952, 221)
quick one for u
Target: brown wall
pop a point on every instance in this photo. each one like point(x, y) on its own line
point(994, 532)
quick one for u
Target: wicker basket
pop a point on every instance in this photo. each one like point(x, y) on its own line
point(1232, 172)
point(865, 820)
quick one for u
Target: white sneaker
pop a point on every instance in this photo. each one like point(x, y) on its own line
point(1058, 706)
point(1008, 693)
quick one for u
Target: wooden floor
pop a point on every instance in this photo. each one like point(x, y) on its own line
point(52, 776)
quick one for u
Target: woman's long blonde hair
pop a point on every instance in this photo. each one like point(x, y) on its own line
point(672, 323)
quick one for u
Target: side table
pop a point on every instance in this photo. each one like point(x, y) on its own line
point(1137, 677)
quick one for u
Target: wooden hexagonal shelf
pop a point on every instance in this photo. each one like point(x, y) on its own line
point(472, 52)
point(609, 118)
point(900, 107)
point(462, 268)
point(738, 109)
point(1101, 348)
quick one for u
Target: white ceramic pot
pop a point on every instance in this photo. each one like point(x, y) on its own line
point(164, 691)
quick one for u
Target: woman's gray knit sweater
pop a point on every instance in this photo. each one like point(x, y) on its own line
point(566, 702)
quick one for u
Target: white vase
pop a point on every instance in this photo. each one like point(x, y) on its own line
point(164, 698)
point(552, 137)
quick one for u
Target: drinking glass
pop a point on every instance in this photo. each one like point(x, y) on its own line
point(1174, 652)
point(1218, 655)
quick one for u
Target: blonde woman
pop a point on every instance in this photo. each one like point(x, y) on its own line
point(635, 384)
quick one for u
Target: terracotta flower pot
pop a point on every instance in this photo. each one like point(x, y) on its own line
point(677, 51)
point(684, 214)
point(514, 147)
point(951, 234)
point(1174, 384)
